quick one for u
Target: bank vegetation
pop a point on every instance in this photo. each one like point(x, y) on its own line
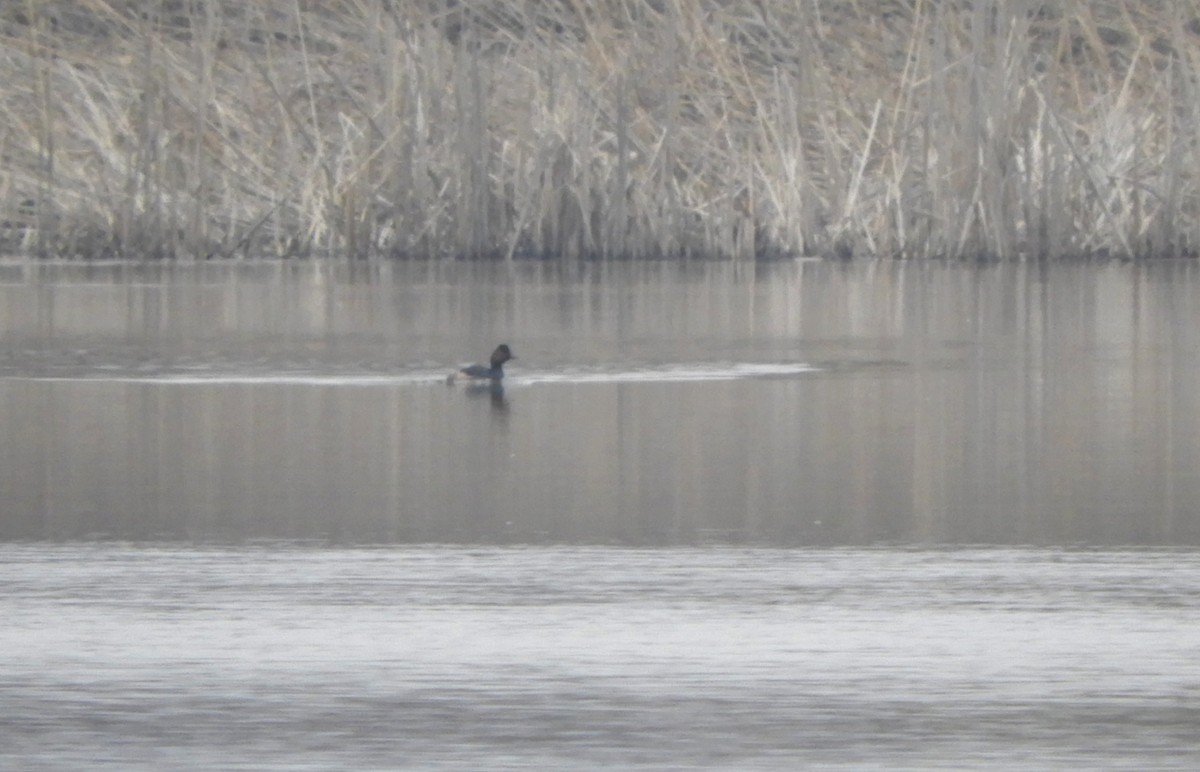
point(732, 129)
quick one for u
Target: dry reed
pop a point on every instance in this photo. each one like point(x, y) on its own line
point(615, 128)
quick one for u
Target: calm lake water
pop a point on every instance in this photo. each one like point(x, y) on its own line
point(865, 514)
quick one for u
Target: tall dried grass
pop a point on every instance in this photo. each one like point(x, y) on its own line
point(615, 128)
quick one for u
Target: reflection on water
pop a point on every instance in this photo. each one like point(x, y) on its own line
point(787, 403)
point(193, 408)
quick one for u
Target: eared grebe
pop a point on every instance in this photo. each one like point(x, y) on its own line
point(479, 373)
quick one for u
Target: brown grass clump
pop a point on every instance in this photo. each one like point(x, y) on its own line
point(617, 128)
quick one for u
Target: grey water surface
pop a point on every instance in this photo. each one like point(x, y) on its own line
point(773, 516)
point(557, 657)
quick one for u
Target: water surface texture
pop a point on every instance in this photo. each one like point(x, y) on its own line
point(776, 516)
point(801, 403)
point(277, 657)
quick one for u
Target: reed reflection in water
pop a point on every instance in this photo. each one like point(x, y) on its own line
point(784, 403)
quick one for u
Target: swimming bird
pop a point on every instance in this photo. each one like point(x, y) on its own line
point(481, 374)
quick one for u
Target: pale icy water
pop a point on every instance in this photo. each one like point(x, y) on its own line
point(768, 516)
point(287, 657)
